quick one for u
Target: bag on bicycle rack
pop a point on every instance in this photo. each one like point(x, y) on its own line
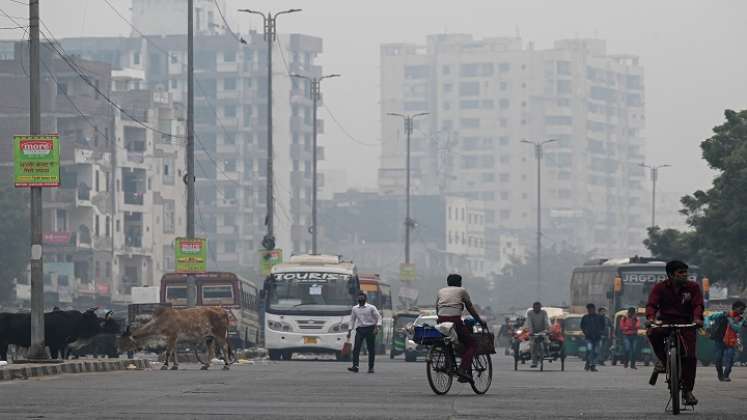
point(485, 342)
point(427, 335)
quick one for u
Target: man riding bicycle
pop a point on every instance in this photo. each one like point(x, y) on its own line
point(450, 304)
point(676, 301)
point(537, 322)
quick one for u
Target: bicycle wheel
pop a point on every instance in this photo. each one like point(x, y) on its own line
point(674, 379)
point(482, 373)
point(437, 368)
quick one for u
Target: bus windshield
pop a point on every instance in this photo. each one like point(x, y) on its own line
point(637, 285)
point(218, 294)
point(304, 291)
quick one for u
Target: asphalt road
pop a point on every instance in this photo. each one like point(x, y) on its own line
point(325, 390)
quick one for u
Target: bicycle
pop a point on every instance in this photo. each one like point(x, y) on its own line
point(539, 345)
point(442, 362)
point(673, 365)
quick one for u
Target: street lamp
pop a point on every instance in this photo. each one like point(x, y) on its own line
point(270, 35)
point(315, 93)
point(654, 177)
point(409, 223)
point(538, 145)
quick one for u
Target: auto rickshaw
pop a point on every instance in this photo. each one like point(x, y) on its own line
point(401, 320)
point(575, 343)
point(704, 345)
point(643, 354)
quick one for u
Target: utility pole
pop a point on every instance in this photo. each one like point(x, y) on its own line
point(38, 350)
point(409, 222)
point(538, 156)
point(190, 176)
point(315, 94)
point(654, 177)
point(270, 35)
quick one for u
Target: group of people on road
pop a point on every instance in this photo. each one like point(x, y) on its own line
point(675, 300)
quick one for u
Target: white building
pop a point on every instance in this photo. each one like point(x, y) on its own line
point(150, 193)
point(486, 96)
point(148, 16)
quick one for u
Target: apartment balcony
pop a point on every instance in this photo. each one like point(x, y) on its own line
point(228, 230)
point(228, 95)
point(228, 67)
point(299, 152)
point(134, 198)
point(136, 157)
point(229, 149)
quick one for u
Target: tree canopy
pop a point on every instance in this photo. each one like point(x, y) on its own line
point(718, 216)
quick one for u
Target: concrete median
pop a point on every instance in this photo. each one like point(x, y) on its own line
point(25, 371)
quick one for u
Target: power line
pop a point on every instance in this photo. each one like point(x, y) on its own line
point(228, 27)
point(73, 66)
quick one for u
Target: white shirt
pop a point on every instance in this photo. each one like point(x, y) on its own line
point(364, 316)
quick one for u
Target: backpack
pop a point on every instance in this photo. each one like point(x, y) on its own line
point(717, 329)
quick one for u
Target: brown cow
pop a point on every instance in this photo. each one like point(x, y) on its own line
point(191, 324)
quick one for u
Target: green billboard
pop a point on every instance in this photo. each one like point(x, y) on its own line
point(36, 160)
point(191, 255)
point(269, 259)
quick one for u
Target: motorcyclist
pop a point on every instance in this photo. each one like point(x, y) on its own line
point(450, 304)
point(537, 321)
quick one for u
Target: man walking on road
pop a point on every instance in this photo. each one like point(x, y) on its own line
point(593, 325)
point(629, 326)
point(725, 335)
point(365, 319)
point(604, 342)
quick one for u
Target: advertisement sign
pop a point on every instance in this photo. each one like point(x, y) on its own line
point(57, 238)
point(191, 255)
point(407, 272)
point(36, 160)
point(269, 259)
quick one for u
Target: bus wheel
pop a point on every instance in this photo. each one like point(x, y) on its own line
point(275, 354)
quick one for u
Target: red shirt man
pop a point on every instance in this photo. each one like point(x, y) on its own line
point(677, 301)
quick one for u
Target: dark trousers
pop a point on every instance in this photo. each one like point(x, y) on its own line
point(723, 356)
point(365, 333)
point(689, 360)
point(630, 343)
point(470, 345)
point(592, 347)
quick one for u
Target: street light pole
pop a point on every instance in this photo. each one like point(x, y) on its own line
point(190, 176)
point(270, 35)
point(315, 93)
point(654, 177)
point(538, 145)
point(409, 223)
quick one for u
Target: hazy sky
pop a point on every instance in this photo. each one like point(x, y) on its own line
point(692, 51)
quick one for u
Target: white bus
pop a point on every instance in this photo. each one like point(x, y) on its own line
point(307, 305)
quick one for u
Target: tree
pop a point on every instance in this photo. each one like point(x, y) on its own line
point(15, 237)
point(718, 241)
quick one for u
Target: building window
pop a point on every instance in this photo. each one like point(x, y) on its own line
point(469, 123)
point(97, 229)
point(229, 84)
point(229, 56)
point(108, 228)
point(229, 111)
point(136, 58)
point(229, 247)
point(469, 89)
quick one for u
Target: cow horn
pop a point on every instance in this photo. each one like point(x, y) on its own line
point(109, 315)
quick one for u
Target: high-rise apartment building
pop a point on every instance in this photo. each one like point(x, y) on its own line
point(486, 96)
point(231, 132)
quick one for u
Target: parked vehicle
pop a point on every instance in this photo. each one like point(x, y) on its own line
point(575, 343)
point(401, 321)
